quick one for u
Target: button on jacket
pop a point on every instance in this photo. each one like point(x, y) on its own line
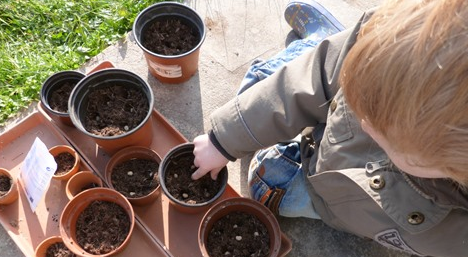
point(353, 185)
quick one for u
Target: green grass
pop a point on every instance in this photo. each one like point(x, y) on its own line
point(41, 37)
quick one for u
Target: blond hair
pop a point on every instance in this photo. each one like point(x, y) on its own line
point(407, 75)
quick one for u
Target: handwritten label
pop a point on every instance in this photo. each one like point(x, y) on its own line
point(36, 172)
point(167, 71)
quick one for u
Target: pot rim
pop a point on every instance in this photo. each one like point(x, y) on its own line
point(235, 204)
point(77, 122)
point(121, 156)
point(138, 19)
point(161, 173)
point(45, 90)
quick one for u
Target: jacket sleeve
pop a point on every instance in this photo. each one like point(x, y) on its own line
point(279, 107)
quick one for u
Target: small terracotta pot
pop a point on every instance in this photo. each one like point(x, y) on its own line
point(242, 204)
point(78, 204)
point(179, 151)
point(54, 83)
point(170, 68)
point(12, 194)
point(129, 153)
point(79, 181)
point(141, 135)
point(41, 249)
point(56, 150)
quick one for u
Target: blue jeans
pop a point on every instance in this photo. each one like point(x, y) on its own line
point(276, 178)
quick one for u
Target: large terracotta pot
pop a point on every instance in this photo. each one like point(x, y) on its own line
point(173, 156)
point(12, 194)
point(54, 83)
point(57, 150)
point(74, 208)
point(80, 182)
point(247, 205)
point(107, 78)
point(132, 153)
point(170, 68)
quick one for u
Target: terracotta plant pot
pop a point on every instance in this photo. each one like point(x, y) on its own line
point(59, 149)
point(79, 204)
point(12, 194)
point(41, 249)
point(112, 79)
point(245, 205)
point(174, 157)
point(54, 88)
point(167, 68)
point(129, 154)
point(80, 182)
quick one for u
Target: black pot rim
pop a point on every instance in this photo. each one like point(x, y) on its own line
point(138, 19)
point(77, 122)
point(161, 173)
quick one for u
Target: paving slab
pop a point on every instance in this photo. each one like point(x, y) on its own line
point(238, 32)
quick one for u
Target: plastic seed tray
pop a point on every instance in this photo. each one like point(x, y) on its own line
point(160, 229)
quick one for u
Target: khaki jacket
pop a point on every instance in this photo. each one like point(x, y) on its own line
point(353, 186)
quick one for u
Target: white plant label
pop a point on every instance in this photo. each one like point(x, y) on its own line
point(167, 71)
point(36, 172)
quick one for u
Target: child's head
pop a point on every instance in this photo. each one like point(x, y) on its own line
point(407, 77)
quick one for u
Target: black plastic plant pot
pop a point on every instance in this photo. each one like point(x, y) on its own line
point(170, 69)
point(140, 135)
point(52, 91)
point(174, 156)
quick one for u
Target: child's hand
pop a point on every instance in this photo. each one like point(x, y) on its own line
point(207, 158)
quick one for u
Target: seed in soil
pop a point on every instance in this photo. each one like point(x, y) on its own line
point(59, 249)
point(102, 227)
point(135, 177)
point(65, 162)
point(5, 185)
point(251, 236)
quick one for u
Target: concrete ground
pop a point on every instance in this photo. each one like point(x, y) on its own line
point(238, 32)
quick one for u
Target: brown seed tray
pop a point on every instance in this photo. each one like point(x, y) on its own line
point(162, 230)
point(28, 229)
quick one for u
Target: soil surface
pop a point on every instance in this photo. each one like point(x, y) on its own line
point(89, 186)
point(102, 227)
point(5, 185)
point(65, 162)
point(181, 186)
point(170, 36)
point(135, 177)
point(59, 98)
point(59, 250)
point(115, 110)
point(238, 234)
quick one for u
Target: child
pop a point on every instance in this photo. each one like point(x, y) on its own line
point(384, 145)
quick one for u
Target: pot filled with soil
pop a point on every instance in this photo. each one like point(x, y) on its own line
point(114, 107)
point(239, 227)
point(8, 188)
point(80, 182)
point(68, 161)
point(53, 247)
point(170, 35)
point(55, 93)
point(185, 194)
point(97, 222)
point(133, 171)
